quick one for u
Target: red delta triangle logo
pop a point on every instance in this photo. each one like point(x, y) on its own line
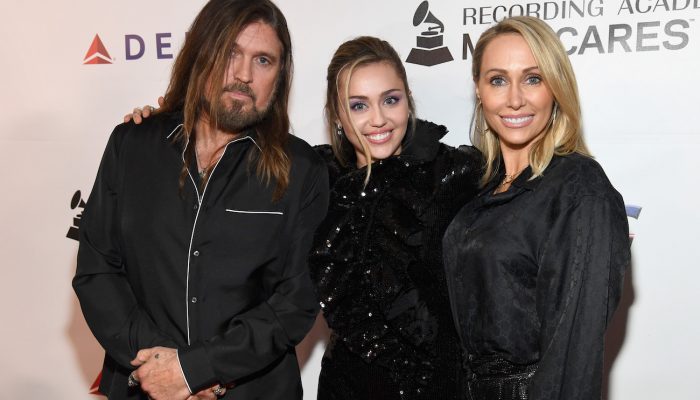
point(97, 53)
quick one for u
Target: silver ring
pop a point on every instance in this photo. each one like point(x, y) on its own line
point(132, 381)
point(218, 391)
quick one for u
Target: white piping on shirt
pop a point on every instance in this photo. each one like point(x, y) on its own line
point(254, 212)
point(177, 355)
point(177, 128)
point(200, 199)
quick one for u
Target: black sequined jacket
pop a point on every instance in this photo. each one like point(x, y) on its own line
point(377, 268)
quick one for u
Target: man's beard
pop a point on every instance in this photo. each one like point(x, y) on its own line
point(234, 118)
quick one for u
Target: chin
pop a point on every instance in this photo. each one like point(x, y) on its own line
point(382, 154)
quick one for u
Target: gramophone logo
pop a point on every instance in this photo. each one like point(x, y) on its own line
point(76, 202)
point(429, 48)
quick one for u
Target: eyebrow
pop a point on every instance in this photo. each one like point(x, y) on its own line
point(503, 71)
point(384, 93)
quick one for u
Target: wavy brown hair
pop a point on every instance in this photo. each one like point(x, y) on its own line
point(204, 58)
point(349, 56)
point(564, 134)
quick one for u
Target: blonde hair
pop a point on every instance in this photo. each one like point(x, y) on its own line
point(352, 54)
point(563, 134)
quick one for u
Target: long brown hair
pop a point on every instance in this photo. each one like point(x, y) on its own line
point(204, 58)
point(350, 55)
point(564, 134)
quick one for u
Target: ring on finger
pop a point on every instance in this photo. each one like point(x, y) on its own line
point(132, 381)
point(218, 391)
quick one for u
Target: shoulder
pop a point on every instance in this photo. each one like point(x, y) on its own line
point(462, 160)
point(302, 154)
point(325, 151)
point(581, 176)
point(153, 131)
point(307, 168)
point(466, 155)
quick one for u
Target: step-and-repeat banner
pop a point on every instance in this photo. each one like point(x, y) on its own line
point(71, 70)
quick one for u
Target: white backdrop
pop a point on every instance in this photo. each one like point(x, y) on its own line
point(637, 63)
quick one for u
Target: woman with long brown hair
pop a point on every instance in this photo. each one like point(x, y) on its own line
point(377, 259)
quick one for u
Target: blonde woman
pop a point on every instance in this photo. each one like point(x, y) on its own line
point(535, 264)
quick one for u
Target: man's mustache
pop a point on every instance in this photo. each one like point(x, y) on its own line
point(240, 87)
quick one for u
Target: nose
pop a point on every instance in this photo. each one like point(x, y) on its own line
point(242, 69)
point(516, 99)
point(377, 118)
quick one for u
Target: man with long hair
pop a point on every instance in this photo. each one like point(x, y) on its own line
point(192, 266)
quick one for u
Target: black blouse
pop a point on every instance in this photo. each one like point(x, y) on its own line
point(377, 267)
point(536, 272)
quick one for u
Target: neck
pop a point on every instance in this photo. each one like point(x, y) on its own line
point(209, 137)
point(515, 160)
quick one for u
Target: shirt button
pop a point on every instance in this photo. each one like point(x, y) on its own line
point(196, 253)
point(195, 207)
point(194, 300)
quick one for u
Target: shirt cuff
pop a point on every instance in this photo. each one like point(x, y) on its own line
point(196, 367)
point(183, 372)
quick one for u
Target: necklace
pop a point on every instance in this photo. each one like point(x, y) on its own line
point(508, 179)
point(203, 172)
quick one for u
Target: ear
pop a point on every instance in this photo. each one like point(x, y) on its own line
point(477, 93)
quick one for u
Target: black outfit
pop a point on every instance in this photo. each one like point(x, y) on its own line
point(535, 274)
point(377, 266)
point(220, 274)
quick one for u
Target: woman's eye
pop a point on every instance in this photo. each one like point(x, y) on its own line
point(391, 100)
point(263, 60)
point(497, 81)
point(358, 106)
point(533, 80)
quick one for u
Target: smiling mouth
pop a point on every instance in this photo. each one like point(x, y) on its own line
point(378, 137)
point(517, 122)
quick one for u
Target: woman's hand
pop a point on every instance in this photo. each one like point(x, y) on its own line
point(139, 114)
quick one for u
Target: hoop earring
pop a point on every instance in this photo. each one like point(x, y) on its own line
point(339, 129)
point(482, 126)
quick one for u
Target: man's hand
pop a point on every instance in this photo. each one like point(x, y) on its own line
point(159, 374)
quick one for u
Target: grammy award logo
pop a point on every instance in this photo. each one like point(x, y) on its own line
point(76, 202)
point(429, 48)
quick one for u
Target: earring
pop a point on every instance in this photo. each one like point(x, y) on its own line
point(339, 129)
point(480, 120)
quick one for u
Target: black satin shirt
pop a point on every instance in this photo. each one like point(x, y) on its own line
point(219, 273)
point(535, 273)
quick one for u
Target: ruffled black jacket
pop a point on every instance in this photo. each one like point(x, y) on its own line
point(377, 268)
